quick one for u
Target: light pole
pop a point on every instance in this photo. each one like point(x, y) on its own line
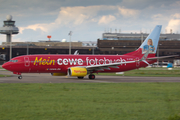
point(142, 38)
point(10, 51)
point(70, 34)
point(27, 48)
point(93, 45)
point(158, 54)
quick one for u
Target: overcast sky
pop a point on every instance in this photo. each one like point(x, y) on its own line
point(88, 19)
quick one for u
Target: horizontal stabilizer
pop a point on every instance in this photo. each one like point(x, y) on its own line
point(155, 58)
point(145, 55)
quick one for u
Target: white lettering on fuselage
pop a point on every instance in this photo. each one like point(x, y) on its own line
point(89, 61)
point(69, 61)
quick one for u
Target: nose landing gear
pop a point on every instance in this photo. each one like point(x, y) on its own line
point(17, 73)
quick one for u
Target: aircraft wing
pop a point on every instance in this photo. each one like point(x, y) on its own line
point(115, 65)
point(162, 57)
point(107, 66)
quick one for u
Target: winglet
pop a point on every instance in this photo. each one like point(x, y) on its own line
point(76, 52)
point(145, 56)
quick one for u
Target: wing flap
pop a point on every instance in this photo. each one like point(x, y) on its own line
point(107, 66)
point(155, 58)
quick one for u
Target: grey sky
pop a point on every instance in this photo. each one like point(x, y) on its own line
point(88, 19)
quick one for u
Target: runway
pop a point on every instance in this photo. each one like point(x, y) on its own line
point(47, 78)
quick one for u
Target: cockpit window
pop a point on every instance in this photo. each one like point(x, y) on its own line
point(13, 61)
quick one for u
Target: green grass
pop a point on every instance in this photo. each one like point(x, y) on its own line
point(90, 101)
point(145, 72)
point(4, 75)
point(149, 72)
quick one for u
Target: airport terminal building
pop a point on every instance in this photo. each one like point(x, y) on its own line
point(110, 43)
point(44, 47)
point(121, 43)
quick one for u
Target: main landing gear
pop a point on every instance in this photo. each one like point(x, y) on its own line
point(80, 77)
point(20, 77)
point(91, 76)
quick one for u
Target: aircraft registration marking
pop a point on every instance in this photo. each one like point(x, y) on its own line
point(53, 69)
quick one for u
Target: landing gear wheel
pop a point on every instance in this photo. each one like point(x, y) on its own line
point(80, 77)
point(91, 76)
point(20, 77)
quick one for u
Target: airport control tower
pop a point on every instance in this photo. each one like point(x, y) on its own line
point(9, 28)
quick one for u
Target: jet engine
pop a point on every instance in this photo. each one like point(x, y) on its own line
point(77, 71)
point(58, 74)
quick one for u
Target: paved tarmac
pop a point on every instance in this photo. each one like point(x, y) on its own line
point(47, 78)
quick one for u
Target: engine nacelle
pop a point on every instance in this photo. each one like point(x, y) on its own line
point(77, 71)
point(58, 74)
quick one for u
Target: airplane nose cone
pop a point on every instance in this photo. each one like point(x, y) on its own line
point(4, 66)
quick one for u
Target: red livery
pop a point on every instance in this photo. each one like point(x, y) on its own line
point(82, 65)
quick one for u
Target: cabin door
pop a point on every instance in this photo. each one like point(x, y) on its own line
point(26, 61)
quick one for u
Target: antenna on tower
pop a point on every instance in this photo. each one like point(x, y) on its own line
point(115, 30)
point(171, 31)
point(49, 36)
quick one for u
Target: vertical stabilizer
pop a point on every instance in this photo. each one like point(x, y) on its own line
point(151, 43)
point(152, 40)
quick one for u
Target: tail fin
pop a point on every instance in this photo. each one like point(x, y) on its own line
point(150, 42)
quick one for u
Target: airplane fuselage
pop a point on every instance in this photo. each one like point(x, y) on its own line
point(82, 65)
point(60, 63)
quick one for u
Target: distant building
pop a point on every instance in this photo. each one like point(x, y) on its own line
point(44, 43)
point(122, 43)
point(125, 46)
point(137, 36)
point(111, 43)
point(89, 43)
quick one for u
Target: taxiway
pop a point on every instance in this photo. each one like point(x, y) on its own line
point(47, 78)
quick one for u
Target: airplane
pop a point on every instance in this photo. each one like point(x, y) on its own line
point(81, 65)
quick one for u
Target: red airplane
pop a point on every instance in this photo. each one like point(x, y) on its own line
point(82, 65)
